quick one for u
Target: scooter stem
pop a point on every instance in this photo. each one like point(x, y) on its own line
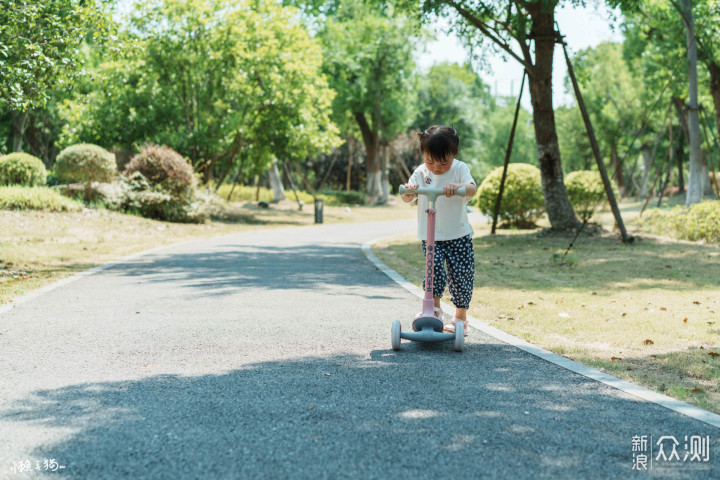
point(428, 308)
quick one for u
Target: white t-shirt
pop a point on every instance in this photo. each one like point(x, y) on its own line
point(451, 220)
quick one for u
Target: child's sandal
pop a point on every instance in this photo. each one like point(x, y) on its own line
point(450, 327)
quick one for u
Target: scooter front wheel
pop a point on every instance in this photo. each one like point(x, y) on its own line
point(395, 335)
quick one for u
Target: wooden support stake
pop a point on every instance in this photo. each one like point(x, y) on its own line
point(292, 184)
point(350, 162)
point(671, 152)
point(496, 211)
point(596, 152)
point(709, 150)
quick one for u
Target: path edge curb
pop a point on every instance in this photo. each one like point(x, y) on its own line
point(646, 394)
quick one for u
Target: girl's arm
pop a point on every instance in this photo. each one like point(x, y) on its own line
point(409, 197)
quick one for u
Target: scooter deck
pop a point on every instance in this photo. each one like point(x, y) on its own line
point(427, 329)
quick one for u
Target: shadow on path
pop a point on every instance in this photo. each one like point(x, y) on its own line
point(230, 268)
point(345, 416)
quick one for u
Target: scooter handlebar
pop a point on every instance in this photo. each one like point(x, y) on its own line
point(431, 192)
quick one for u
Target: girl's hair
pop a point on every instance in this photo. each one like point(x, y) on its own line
point(440, 143)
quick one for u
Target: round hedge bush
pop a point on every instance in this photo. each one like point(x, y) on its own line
point(522, 202)
point(586, 191)
point(85, 163)
point(163, 167)
point(22, 169)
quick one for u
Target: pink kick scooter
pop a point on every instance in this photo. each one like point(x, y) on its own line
point(426, 326)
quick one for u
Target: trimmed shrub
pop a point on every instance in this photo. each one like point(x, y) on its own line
point(22, 169)
point(163, 167)
point(36, 198)
point(697, 222)
point(85, 163)
point(586, 192)
point(159, 183)
point(522, 202)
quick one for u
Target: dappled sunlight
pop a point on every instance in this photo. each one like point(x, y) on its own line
point(419, 414)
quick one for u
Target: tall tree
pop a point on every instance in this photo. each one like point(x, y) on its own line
point(40, 50)
point(369, 62)
point(614, 100)
point(656, 31)
point(531, 26)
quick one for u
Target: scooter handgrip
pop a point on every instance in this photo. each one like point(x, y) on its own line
point(430, 191)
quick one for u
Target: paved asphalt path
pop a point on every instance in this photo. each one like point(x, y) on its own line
point(267, 355)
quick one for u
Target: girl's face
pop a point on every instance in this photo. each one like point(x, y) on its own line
point(438, 168)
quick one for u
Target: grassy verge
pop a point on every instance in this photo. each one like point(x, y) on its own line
point(646, 312)
point(39, 247)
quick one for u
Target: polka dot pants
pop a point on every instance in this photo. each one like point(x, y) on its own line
point(459, 256)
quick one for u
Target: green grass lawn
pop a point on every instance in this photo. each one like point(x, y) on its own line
point(648, 312)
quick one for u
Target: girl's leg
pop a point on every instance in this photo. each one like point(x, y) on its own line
point(461, 274)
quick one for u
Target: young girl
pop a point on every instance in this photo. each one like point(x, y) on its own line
point(453, 234)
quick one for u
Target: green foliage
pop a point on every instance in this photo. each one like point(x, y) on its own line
point(454, 94)
point(700, 221)
point(368, 59)
point(616, 102)
point(246, 193)
point(22, 169)
point(586, 191)
point(85, 163)
point(499, 119)
point(225, 83)
point(40, 46)
point(342, 197)
point(163, 167)
point(36, 198)
point(522, 202)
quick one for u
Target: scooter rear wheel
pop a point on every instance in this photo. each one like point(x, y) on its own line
point(395, 335)
point(459, 336)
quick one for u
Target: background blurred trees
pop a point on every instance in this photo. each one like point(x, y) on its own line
point(228, 84)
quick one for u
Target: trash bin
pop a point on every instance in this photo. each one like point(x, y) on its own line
point(319, 203)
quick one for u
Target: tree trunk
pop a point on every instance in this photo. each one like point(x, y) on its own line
point(617, 169)
point(707, 187)
point(276, 182)
point(679, 155)
point(385, 176)
point(557, 204)
point(715, 91)
point(695, 182)
point(371, 138)
point(647, 166)
point(19, 124)
point(350, 163)
point(680, 110)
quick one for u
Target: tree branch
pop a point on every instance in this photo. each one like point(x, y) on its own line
point(486, 30)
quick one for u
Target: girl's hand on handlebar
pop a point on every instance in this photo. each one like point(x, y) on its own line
point(450, 189)
point(408, 197)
